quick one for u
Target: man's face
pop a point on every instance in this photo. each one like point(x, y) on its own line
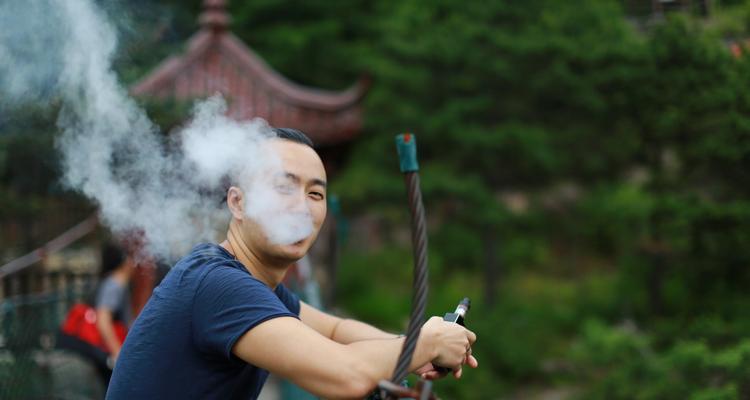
point(298, 209)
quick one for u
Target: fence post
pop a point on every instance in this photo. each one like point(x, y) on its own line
point(15, 285)
point(90, 284)
point(46, 285)
point(62, 290)
point(78, 287)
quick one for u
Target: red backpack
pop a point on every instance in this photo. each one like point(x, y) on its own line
point(81, 323)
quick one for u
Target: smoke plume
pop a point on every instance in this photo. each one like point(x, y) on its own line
point(112, 153)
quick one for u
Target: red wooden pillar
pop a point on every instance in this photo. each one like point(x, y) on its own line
point(142, 284)
point(143, 278)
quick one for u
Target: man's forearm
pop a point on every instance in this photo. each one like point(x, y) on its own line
point(332, 370)
point(348, 331)
point(340, 330)
point(382, 355)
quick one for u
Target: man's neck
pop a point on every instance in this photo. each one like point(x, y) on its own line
point(270, 275)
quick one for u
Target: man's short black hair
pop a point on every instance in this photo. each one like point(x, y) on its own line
point(291, 134)
point(294, 135)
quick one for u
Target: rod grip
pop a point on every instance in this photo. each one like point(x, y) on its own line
point(406, 145)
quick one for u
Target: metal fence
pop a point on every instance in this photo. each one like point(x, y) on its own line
point(30, 365)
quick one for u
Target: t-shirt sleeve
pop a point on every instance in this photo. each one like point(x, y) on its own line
point(290, 300)
point(228, 303)
point(109, 295)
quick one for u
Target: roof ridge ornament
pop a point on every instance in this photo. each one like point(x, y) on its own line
point(214, 16)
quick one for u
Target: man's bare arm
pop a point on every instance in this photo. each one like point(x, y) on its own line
point(289, 348)
point(340, 330)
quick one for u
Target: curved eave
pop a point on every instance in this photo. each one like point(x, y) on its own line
point(164, 75)
point(294, 93)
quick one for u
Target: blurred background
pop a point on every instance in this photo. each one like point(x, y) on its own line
point(585, 168)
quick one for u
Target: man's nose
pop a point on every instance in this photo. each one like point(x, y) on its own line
point(298, 202)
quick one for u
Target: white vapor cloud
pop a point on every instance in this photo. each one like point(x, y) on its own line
point(113, 154)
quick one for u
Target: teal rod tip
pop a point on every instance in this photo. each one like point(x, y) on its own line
point(406, 145)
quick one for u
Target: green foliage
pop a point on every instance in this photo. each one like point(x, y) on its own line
point(167, 115)
point(623, 364)
point(297, 37)
point(28, 161)
point(649, 128)
point(388, 273)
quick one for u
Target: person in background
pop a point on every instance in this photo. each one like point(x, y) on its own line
point(113, 298)
point(96, 331)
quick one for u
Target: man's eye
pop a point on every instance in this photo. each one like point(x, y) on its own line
point(317, 195)
point(285, 189)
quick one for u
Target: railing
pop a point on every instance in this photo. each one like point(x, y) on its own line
point(33, 304)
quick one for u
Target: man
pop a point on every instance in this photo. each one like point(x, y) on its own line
point(221, 319)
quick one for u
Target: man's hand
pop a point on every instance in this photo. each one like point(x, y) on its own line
point(429, 372)
point(452, 347)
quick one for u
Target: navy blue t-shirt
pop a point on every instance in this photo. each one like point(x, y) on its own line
point(180, 346)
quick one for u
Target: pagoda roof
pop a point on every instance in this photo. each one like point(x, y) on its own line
point(216, 61)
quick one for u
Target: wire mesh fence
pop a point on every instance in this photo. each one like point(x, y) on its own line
point(31, 367)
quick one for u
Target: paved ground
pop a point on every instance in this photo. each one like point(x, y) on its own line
point(73, 378)
point(271, 390)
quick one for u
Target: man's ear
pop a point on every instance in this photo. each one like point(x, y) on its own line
point(236, 202)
